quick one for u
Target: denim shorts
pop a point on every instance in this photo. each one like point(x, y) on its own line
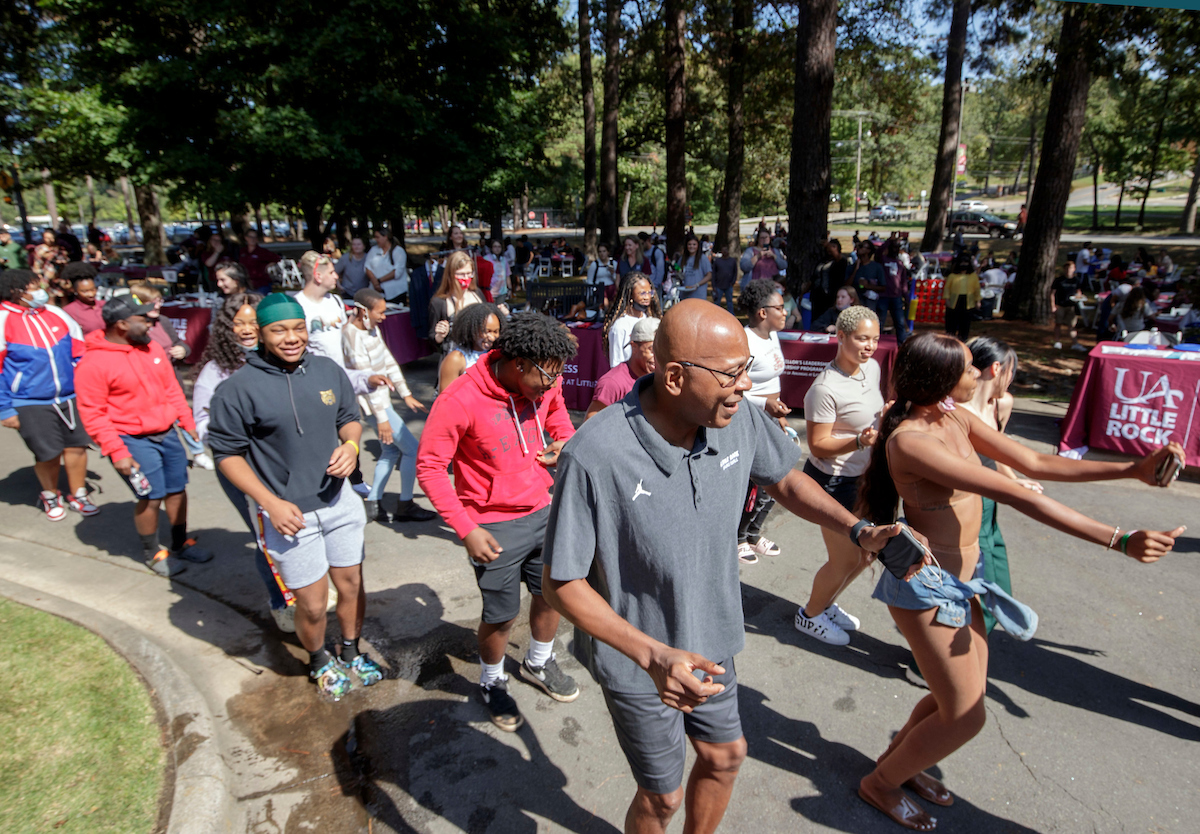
point(842, 488)
point(162, 460)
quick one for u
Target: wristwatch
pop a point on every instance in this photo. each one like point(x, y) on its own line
point(857, 529)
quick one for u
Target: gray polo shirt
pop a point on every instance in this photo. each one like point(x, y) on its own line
point(653, 528)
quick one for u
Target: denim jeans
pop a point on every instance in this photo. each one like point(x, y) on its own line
point(403, 448)
point(238, 499)
point(727, 293)
point(899, 319)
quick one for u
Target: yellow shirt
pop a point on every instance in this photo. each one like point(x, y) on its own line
point(961, 283)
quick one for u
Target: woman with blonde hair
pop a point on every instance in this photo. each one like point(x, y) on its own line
point(458, 289)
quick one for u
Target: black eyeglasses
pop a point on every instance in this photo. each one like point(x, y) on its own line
point(779, 307)
point(550, 378)
point(731, 377)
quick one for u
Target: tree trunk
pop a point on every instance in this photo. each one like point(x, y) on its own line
point(1158, 131)
point(625, 207)
point(947, 157)
point(1120, 199)
point(270, 222)
point(397, 225)
point(675, 122)
point(51, 199)
point(1020, 168)
point(258, 222)
point(728, 238)
point(496, 223)
point(133, 235)
point(1060, 145)
point(609, 229)
point(1187, 223)
point(516, 214)
point(27, 229)
point(312, 217)
point(91, 190)
point(590, 185)
point(808, 190)
point(1032, 155)
point(154, 236)
point(237, 222)
point(1095, 191)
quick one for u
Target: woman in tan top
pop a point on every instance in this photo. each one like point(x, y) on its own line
point(927, 454)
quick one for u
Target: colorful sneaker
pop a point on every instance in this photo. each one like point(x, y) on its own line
point(368, 671)
point(52, 503)
point(192, 552)
point(79, 503)
point(553, 681)
point(285, 618)
point(765, 547)
point(746, 554)
point(822, 628)
point(331, 681)
point(164, 565)
point(501, 705)
point(844, 621)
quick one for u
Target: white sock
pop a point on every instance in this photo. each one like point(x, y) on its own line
point(81, 492)
point(539, 653)
point(48, 493)
point(489, 673)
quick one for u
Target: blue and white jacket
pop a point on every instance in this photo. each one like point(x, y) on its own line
point(39, 349)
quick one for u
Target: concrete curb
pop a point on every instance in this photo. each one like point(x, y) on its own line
point(201, 800)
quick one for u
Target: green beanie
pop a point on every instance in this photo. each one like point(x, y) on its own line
point(278, 307)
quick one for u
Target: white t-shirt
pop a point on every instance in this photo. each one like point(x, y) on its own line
point(619, 346)
point(851, 405)
point(325, 318)
point(766, 368)
point(395, 261)
point(1083, 260)
point(602, 273)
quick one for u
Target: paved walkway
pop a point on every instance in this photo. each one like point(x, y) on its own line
point(1091, 726)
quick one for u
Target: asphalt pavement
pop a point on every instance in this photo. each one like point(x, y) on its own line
point(1091, 724)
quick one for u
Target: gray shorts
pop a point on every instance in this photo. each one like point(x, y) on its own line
point(332, 538)
point(500, 580)
point(652, 733)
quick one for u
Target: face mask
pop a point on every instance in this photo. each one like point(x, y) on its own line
point(39, 298)
point(641, 308)
point(464, 282)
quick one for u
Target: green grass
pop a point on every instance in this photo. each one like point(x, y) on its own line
point(82, 749)
point(1158, 218)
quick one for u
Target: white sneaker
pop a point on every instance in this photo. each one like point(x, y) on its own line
point(285, 618)
point(844, 621)
point(362, 489)
point(204, 461)
point(1058, 345)
point(822, 628)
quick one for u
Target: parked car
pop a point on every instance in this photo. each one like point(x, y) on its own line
point(977, 222)
point(973, 205)
point(884, 213)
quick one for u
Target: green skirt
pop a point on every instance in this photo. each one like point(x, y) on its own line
point(994, 555)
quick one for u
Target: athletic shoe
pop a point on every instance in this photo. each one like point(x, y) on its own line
point(412, 511)
point(192, 552)
point(285, 618)
point(765, 547)
point(52, 503)
point(1078, 346)
point(164, 565)
point(79, 503)
point(553, 681)
point(844, 621)
point(822, 628)
point(203, 461)
point(375, 512)
point(746, 554)
point(501, 705)
point(368, 671)
point(332, 682)
point(1058, 345)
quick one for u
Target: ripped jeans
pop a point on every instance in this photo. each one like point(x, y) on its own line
point(403, 448)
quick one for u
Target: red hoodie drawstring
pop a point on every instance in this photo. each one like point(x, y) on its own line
point(537, 418)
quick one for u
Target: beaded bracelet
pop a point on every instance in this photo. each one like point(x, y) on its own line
point(1113, 540)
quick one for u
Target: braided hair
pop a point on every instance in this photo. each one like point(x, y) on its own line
point(222, 347)
point(625, 298)
point(928, 367)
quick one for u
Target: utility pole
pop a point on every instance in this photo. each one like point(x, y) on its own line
point(860, 115)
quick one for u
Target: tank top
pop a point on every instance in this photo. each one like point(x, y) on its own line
point(470, 355)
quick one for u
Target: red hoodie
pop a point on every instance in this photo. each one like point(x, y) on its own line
point(496, 475)
point(127, 389)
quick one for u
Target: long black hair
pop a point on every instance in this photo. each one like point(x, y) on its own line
point(928, 367)
point(470, 323)
point(625, 298)
point(985, 350)
point(223, 348)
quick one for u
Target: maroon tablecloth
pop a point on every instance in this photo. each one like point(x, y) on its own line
point(192, 325)
point(1135, 402)
point(401, 338)
point(804, 360)
point(580, 374)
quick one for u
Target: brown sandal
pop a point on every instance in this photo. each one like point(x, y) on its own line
point(931, 789)
point(906, 813)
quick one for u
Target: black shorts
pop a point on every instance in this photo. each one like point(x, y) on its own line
point(520, 560)
point(841, 488)
point(48, 429)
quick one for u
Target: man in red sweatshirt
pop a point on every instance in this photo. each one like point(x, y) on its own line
point(490, 422)
point(130, 400)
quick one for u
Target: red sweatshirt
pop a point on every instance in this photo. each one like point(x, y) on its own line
point(127, 389)
point(474, 423)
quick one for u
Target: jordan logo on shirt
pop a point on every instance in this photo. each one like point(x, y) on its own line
point(639, 491)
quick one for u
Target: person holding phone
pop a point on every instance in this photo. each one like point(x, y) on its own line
point(491, 423)
point(926, 453)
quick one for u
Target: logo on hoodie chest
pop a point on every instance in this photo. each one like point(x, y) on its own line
point(328, 397)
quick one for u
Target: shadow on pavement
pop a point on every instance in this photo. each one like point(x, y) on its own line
point(835, 769)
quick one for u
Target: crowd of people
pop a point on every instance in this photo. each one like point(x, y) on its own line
point(688, 424)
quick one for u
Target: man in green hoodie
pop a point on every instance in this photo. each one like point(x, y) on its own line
point(284, 430)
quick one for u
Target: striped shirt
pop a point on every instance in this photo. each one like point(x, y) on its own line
point(365, 351)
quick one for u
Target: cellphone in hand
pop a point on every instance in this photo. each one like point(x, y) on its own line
point(1168, 470)
point(901, 552)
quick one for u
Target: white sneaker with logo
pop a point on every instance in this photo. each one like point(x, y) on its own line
point(844, 621)
point(822, 628)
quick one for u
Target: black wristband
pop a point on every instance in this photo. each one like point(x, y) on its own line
point(857, 529)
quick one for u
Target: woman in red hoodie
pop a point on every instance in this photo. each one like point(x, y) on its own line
point(490, 422)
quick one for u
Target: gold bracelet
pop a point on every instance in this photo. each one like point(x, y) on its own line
point(1113, 540)
point(357, 452)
